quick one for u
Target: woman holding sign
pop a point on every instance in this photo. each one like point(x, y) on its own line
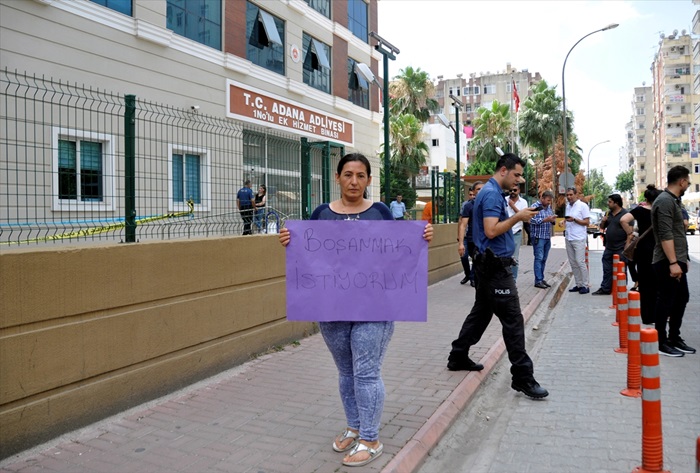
point(358, 348)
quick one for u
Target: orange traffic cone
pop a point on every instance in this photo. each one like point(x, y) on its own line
point(634, 322)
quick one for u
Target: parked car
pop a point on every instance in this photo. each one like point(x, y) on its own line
point(692, 225)
point(594, 223)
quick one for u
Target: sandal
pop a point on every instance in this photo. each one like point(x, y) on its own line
point(347, 434)
point(361, 447)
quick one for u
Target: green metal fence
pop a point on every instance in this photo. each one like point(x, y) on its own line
point(82, 164)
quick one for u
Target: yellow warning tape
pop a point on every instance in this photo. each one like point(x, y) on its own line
point(103, 229)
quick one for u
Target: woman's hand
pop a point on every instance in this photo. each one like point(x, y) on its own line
point(285, 236)
point(428, 233)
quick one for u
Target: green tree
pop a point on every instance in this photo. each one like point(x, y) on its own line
point(541, 125)
point(491, 128)
point(625, 181)
point(408, 150)
point(540, 120)
point(412, 91)
point(599, 188)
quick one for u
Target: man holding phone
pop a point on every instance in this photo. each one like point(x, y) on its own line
point(496, 292)
point(541, 235)
point(577, 218)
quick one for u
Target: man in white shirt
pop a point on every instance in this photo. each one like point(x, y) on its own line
point(577, 218)
point(515, 203)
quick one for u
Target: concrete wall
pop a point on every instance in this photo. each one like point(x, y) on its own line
point(88, 331)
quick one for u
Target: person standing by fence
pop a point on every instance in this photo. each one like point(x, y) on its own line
point(244, 199)
point(260, 204)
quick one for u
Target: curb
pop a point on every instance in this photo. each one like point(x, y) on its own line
point(413, 454)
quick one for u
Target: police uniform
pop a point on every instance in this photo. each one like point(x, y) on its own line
point(496, 292)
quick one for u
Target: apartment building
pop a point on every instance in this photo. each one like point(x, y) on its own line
point(674, 106)
point(477, 90)
point(641, 139)
point(273, 74)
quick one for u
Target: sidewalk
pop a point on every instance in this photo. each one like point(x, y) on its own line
point(585, 424)
point(280, 412)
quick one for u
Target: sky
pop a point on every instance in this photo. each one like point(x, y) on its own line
point(451, 37)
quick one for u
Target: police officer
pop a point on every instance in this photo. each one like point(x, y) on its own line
point(496, 291)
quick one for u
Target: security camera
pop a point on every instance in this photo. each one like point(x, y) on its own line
point(194, 108)
point(456, 100)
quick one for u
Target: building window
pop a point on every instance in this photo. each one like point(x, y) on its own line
point(640, 126)
point(489, 89)
point(436, 142)
point(640, 98)
point(456, 91)
point(199, 21)
point(83, 170)
point(189, 178)
point(317, 68)
point(122, 6)
point(696, 168)
point(358, 88)
point(677, 149)
point(321, 6)
point(265, 44)
point(640, 111)
point(357, 19)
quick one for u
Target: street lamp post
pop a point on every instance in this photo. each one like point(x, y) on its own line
point(563, 97)
point(457, 104)
point(588, 166)
point(389, 51)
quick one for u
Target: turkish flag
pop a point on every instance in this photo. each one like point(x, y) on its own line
point(516, 98)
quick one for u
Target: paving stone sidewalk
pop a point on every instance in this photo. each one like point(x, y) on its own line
point(279, 412)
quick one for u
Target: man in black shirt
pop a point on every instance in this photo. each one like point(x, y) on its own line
point(615, 239)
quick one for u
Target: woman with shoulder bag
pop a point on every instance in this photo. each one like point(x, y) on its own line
point(643, 251)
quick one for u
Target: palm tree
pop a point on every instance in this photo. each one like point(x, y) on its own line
point(408, 150)
point(491, 128)
point(411, 91)
point(540, 120)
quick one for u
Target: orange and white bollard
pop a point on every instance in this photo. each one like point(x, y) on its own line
point(652, 435)
point(616, 259)
point(621, 312)
point(634, 369)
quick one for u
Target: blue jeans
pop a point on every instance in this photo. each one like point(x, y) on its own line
point(259, 219)
point(518, 239)
point(540, 250)
point(358, 349)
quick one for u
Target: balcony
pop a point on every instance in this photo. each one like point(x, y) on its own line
point(679, 138)
point(677, 79)
point(678, 117)
point(675, 59)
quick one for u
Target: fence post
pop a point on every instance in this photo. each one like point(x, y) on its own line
point(130, 168)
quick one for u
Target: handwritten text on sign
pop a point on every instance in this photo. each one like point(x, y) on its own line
point(357, 271)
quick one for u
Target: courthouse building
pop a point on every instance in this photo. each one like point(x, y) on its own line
point(219, 92)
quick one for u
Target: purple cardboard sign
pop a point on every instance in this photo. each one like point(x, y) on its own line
point(357, 271)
